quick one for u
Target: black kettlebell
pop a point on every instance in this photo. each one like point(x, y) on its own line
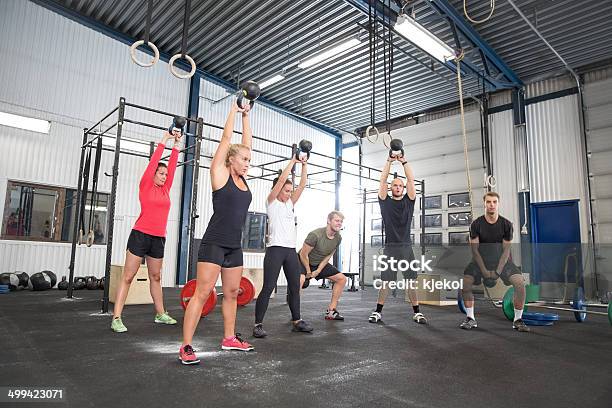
point(91, 283)
point(23, 279)
point(396, 148)
point(489, 282)
point(303, 150)
point(63, 284)
point(101, 282)
point(250, 91)
point(178, 124)
point(79, 283)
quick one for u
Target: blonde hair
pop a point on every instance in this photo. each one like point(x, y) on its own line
point(233, 150)
point(333, 214)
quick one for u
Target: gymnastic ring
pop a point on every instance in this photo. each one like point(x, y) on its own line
point(367, 133)
point(177, 74)
point(90, 238)
point(144, 64)
point(384, 139)
point(491, 181)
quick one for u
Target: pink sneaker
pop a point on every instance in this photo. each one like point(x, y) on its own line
point(187, 356)
point(235, 343)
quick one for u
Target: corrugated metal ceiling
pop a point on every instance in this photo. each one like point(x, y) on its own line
point(261, 38)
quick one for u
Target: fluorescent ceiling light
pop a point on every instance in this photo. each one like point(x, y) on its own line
point(271, 81)
point(127, 144)
point(330, 52)
point(23, 122)
point(424, 39)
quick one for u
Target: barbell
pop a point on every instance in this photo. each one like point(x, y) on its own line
point(246, 293)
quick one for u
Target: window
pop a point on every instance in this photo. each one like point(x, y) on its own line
point(254, 232)
point(460, 219)
point(433, 220)
point(46, 213)
point(376, 241)
point(433, 202)
point(458, 200)
point(376, 224)
point(458, 237)
point(98, 222)
point(432, 238)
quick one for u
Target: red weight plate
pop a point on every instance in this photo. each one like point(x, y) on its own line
point(188, 291)
point(246, 292)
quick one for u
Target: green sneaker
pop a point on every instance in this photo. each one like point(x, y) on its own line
point(117, 326)
point(164, 318)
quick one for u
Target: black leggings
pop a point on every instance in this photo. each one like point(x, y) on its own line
point(275, 258)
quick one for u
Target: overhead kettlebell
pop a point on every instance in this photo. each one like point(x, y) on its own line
point(303, 150)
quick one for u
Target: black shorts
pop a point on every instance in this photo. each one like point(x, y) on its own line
point(509, 269)
point(399, 253)
point(222, 256)
point(141, 244)
point(328, 270)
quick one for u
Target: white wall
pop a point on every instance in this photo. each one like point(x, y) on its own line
point(58, 70)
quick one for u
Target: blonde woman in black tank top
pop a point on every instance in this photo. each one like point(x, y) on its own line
point(220, 251)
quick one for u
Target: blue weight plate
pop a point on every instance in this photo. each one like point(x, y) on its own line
point(460, 301)
point(547, 317)
point(579, 304)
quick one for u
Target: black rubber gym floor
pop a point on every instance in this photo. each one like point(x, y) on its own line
point(49, 341)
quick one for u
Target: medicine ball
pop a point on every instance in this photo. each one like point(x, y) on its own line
point(9, 279)
point(40, 281)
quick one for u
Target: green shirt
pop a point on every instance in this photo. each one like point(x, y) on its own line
point(322, 245)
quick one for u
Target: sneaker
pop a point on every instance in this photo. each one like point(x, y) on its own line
point(236, 343)
point(164, 318)
point(520, 325)
point(468, 324)
point(117, 326)
point(375, 317)
point(301, 326)
point(259, 332)
point(419, 318)
point(187, 356)
point(333, 315)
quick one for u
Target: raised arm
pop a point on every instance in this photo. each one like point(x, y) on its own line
point(247, 133)
point(281, 181)
point(410, 187)
point(300, 188)
point(172, 163)
point(383, 188)
point(149, 173)
point(218, 171)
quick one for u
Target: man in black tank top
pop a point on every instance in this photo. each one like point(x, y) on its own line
point(397, 211)
point(490, 240)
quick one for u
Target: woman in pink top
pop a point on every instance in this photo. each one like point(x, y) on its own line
point(148, 235)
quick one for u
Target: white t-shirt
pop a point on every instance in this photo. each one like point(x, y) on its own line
point(281, 222)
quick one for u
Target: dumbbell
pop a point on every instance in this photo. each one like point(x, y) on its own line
point(303, 150)
point(250, 91)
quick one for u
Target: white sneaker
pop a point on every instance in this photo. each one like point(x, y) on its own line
point(375, 317)
point(419, 318)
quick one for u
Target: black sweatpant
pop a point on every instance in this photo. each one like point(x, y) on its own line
point(276, 257)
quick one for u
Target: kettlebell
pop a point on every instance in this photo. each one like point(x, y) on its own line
point(91, 283)
point(489, 282)
point(63, 285)
point(303, 150)
point(250, 91)
point(79, 283)
point(396, 148)
point(178, 124)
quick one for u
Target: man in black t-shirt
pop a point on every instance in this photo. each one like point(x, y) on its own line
point(490, 240)
point(396, 211)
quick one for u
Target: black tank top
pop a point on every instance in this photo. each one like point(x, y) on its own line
point(230, 207)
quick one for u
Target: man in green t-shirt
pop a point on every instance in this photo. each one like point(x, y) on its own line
point(318, 248)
